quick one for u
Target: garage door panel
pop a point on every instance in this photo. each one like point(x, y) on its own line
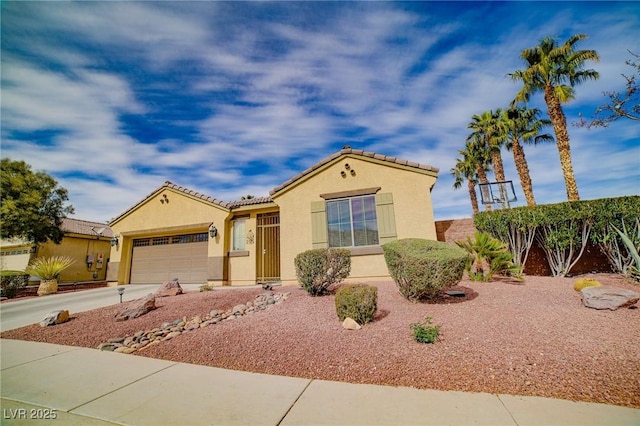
point(156, 264)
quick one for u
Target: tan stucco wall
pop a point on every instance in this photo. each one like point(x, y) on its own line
point(181, 214)
point(411, 199)
point(78, 247)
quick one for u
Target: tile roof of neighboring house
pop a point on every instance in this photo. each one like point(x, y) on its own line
point(83, 227)
point(348, 150)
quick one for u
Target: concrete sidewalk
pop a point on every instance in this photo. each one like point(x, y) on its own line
point(81, 386)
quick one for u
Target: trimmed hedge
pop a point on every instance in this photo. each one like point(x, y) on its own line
point(564, 229)
point(423, 268)
point(318, 269)
point(358, 302)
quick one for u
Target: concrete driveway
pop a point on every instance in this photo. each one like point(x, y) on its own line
point(29, 311)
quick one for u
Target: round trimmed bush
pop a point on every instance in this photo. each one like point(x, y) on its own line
point(318, 269)
point(358, 302)
point(422, 269)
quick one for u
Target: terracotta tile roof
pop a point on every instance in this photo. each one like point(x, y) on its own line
point(83, 227)
point(348, 150)
point(195, 194)
point(249, 202)
point(227, 205)
point(179, 188)
point(265, 200)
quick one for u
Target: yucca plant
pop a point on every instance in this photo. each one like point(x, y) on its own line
point(48, 269)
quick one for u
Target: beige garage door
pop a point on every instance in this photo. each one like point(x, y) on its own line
point(160, 259)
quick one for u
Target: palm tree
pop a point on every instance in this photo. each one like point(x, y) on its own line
point(524, 123)
point(490, 130)
point(478, 155)
point(555, 69)
point(466, 169)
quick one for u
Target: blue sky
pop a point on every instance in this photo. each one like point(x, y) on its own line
point(234, 98)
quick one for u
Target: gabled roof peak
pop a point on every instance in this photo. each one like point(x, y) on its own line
point(347, 150)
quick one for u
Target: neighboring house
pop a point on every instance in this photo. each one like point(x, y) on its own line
point(353, 199)
point(15, 254)
point(88, 243)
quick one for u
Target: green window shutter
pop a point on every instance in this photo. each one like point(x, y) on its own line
point(386, 218)
point(319, 236)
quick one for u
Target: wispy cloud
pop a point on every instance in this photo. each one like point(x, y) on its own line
point(232, 99)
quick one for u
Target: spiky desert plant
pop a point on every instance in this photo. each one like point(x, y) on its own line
point(49, 268)
point(632, 248)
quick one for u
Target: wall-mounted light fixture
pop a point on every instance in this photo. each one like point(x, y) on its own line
point(213, 231)
point(114, 240)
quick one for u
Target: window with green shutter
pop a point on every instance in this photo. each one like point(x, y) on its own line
point(358, 221)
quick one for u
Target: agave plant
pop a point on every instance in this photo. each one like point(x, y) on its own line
point(49, 268)
point(632, 248)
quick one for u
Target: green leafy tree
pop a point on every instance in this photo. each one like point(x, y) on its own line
point(554, 70)
point(32, 204)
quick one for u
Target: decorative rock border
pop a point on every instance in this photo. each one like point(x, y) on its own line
point(169, 330)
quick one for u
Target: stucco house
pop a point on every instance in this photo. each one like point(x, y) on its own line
point(353, 199)
point(88, 243)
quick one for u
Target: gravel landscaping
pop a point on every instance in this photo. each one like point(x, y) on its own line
point(531, 338)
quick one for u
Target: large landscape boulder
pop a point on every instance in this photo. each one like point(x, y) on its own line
point(137, 308)
point(606, 297)
point(169, 288)
point(55, 317)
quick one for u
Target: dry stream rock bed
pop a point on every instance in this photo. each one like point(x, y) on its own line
point(534, 338)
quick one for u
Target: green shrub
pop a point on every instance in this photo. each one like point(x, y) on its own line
point(564, 229)
point(206, 287)
point(358, 302)
point(425, 332)
point(318, 269)
point(488, 256)
point(423, 268)
point(12, 281)
point(581, 283)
